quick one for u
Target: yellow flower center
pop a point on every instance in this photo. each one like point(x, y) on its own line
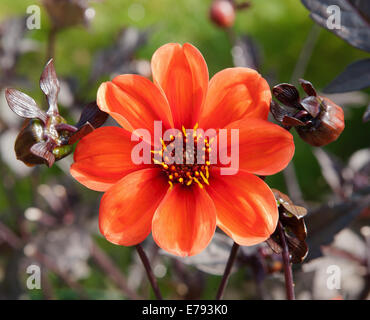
point(179, 170)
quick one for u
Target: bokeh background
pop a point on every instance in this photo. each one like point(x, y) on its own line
point(50, 220)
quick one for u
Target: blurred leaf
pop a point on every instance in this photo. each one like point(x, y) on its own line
point(355, 77)
point(213, 259)
point(246, 53)
point(12, 32)
point(355, 19)
point(359, 163)
point(366, 116)
point(326, 221)
point(331, 169)
point(117, 58)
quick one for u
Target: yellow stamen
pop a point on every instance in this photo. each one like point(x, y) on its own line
point(189, 182)
point(184, 131)
point(171, 184)
point(198, 182)
point(163, 144)
point(207, 173)
point(204, 178)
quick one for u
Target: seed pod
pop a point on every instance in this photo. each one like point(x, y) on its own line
point(326, 128)
point(222, 13)
point(318, 120)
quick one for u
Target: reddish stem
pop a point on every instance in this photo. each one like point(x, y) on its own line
point(149, 272)
point(226, 275)
point(289, 286)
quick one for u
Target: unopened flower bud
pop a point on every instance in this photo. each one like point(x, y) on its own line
point(318, 120)
point(325, 128)
point(46, 137)
point(222, 13)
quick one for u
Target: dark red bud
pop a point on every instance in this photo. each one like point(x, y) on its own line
point(222, 13)
point(327, 127)
point(39, 143)
point(66, 13)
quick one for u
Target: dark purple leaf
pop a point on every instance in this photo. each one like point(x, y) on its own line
point(117, 59)
point(92, 114)
point(326, 221)
point(355, 77)
point(355, 19)
point(366, 116)
point(331, 169)
point(312, 105)
point(287, 94)
point(23, 105)
point(44, 150)
point(49, 84)
point(308, 87)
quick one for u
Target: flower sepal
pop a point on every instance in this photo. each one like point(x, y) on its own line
point(294, 228)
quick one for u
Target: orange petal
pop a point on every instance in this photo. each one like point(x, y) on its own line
point(185, 221)
point(126, 209)
point(182, 73)
point(246, 207)
point(103, 157)
point(234, 94)
point(264, 147)
point(134, 102)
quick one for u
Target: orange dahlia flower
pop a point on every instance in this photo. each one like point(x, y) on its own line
point(182, 204)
